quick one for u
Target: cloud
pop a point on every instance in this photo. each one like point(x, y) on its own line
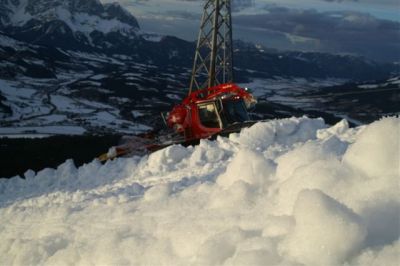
point(276, 26)
point(345, 31)
point(340, 0)
point(381, 2)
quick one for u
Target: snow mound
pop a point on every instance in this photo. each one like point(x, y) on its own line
point(249, 166)
point(284, 192)
point(326, 232)
point(381, 153)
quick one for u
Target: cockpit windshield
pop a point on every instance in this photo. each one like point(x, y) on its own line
point(235, 111)
point(218, 114)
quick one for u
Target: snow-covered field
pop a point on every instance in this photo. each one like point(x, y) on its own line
point(284, 192)
point(40, 108)
point(279, 89)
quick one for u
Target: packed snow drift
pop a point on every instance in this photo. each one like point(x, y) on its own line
point(284, 192)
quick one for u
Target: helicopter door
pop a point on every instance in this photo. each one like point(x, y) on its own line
point(209, 116)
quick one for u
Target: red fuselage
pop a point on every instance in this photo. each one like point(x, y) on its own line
point(206, 112)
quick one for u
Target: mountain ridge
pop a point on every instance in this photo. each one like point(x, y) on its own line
point(62, 23)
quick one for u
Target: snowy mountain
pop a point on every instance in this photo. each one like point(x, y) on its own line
point(284, 192)
point(83, 67)
point(77, 22)
point(51, 90)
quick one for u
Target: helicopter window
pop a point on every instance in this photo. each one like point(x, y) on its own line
point(235, 111)
point(208, 115)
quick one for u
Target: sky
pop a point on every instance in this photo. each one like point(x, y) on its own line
point(369, 28)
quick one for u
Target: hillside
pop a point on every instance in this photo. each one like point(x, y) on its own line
point(48, 90)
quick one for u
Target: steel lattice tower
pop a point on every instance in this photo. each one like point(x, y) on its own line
point(213, 61)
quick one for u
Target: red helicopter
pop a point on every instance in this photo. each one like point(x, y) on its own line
point(215, 105)
point(207, 113)
point(210, 111)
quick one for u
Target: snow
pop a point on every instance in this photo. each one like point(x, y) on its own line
point(44, 107)
point(173, 96)
point(98, 77)
point(52, 119)
point(283, 192)
point(286, 90)
point(152, 37)
point(248, 166)
point(386, 161)
point(9, 42)
point(65, 104)
point(23, 101)
point(137, 114)
point(10, 89)
point(395, 81)
point(368, 86)
point(19, 16)
point(96, 105)
point(77, 21)
point(314, 213)
point(87, 23)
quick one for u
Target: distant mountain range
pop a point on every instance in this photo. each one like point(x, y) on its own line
point(90, 26)
point(62, 62)
point(66, 23)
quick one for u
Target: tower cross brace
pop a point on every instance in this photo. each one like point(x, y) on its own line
point(213, 61)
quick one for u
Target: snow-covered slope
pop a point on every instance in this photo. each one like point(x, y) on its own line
point(284, 192)
point(75, 24)
point(359, 103)
point(48, 90)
